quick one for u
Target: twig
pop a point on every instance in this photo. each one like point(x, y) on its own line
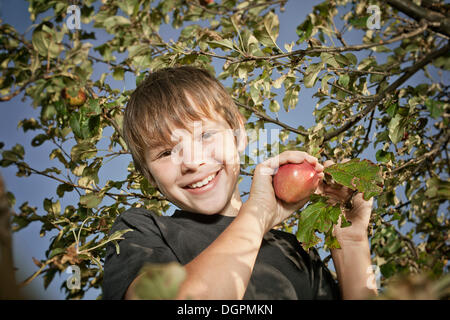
point(366, 138)
point(34, 275)
point(259, 114)
point(420, 13)
point(303, 52)
point(435, 149)
point(408, 241)
point(110, 194)
point(15, 93)
point(391, 88)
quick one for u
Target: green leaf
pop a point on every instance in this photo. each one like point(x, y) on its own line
point(129, 6)
point(351, 58)
point(39, 139)
point(53, 208)
point(159, 281)
point(359, 22)
point(344, 80)
point(114, 21)
point(290, 98)
point(436, 108)
point(118, 74)
point(224, 44)
point(56, 252)
point(325, 79)
point(62, 188)
point(392, 109)
point(274, 106)
point(305, 30)
point(367, 62)
point(91, 200)
point(255, 94)
point(83, 151)
point(269, 33)
point(115, 237)
point(384, 156)
point(328, 58)
point(361, 175)
point(437, 188)
point(311, 74)
point(319, 216)
point(397, 128)
point(44, 41)
point(41, 42)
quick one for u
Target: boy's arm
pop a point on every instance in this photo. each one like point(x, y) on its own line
point(235, 250)
point(352, 261)
point(208, 276)
point(223, 269)
point(354, 270)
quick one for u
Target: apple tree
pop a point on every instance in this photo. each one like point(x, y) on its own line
point(357, 59)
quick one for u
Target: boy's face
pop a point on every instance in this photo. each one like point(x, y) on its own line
point(200, 173)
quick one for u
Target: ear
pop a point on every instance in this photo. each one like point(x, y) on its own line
point(241, 136)
point(150, 180)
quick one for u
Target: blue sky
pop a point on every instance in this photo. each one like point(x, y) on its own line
point(27, 242)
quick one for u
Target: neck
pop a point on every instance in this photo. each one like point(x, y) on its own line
point(234, 205)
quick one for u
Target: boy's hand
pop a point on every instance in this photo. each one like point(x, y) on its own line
point(262, 194)
point(359, 215)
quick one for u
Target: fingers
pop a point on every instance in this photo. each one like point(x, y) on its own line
point(359, 201)
point(292, 157)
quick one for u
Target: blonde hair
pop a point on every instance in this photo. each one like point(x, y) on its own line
point(164, 99)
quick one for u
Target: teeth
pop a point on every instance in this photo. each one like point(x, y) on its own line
point(203, 182)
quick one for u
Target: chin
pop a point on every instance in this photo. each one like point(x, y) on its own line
point(209, 210)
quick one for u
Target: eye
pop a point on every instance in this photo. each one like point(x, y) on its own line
point(165, 153)
point(208, 134)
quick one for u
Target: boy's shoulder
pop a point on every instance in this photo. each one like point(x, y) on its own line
point(136, 218)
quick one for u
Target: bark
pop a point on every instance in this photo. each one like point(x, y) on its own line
point(8, 286)
point(418, 13)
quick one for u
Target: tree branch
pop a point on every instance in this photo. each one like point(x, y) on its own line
point(418, 13)
point(407, 240)
point(443, 141)
point(110, 194)
point(261, 115)
point(391, 88)
point(8, 286)
point(303, 52)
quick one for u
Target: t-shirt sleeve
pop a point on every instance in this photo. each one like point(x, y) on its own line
point(141, 245)
point(324, 286)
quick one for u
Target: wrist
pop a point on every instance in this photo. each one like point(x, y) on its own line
point(351, 246)
point(260, 214)
point(354, 269)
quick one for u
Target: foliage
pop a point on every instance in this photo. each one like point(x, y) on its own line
point(363, 103)
point(159, 281)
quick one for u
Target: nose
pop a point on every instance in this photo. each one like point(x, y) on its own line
point(192, 156)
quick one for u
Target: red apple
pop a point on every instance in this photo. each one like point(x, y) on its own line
point(206, 2)
point(74, 101)
point(295, 181)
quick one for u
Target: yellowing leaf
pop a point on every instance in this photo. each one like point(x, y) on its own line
point(360, 175)
point(311, 74)
point(319, 216)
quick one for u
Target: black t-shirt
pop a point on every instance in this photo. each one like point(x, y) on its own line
point(283, 270)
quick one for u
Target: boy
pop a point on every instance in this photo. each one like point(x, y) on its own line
point(185, 135)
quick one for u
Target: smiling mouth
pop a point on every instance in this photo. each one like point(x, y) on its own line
point(202, 183)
